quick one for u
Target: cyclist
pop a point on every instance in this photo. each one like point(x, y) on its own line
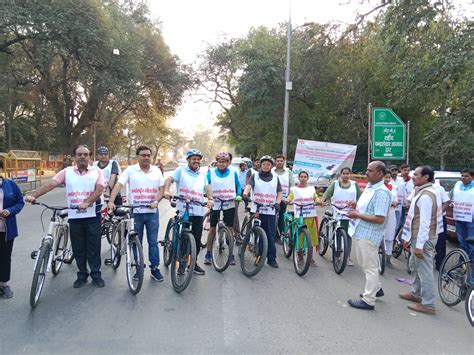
point(111, 171)
point(225, 185)
point(145, 185)
point(305, 195)
point(253, 170)
point(344, 192)
point(265, 188)
point(84, 187)
point(191, 184)
point(287, 181)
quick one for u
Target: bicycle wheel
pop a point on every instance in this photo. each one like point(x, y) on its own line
point(452, 278)
point(206, 225)
point(39, 274)
point(286, 238)
point(470, 305)
point(253, 251)
point(222, 248)
point(339, 251)
point(323, 236)
point(397, 245)
point(135, 264)
point(116, 246)
point(302, 252)
point(184, 261)
point(381, 258)
point(59, 250)
point(168, 243)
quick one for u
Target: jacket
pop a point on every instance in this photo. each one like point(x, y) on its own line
point(13, 202)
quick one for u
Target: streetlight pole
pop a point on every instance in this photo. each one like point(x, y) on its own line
point(288, 87)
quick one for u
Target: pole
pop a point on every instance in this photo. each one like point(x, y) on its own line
point(408, 142)
point(369, 138)
point(95, 140)
point(287, 89)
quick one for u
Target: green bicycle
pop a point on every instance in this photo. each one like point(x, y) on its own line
point(297, 241)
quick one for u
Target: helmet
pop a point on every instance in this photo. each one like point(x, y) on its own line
point(192, 152)
point(102, 150)
point(268, 158)
point(223, 155)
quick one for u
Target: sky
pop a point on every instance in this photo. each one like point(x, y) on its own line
point(190, 25)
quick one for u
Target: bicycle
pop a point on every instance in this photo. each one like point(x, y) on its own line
point(297, 241)
point(124, 240)
point(253, 242)
point(332, 234)
point(179, 246)
point(53, 251)
point(454, 280)
point(223, 244)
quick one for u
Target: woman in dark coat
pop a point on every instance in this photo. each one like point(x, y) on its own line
point(11, 203)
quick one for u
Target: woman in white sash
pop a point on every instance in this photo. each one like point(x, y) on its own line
point(305, 195)
point(342, 193)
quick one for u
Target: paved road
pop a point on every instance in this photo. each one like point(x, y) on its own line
point(275, 312)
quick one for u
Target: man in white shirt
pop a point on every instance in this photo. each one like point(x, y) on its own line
point(146, 184)
point(421, 227)
point(405, 188)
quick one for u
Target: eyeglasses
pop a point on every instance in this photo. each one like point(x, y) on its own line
point(145, 155)
point(82, 154)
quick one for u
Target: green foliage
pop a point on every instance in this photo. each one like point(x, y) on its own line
point(90, 63)
point(413, 57)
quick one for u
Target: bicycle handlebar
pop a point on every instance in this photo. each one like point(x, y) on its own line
point(132, 207)
point(187, 200)
point(54, 208)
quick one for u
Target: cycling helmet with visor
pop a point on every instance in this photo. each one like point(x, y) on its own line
point(222, 155)
point(193, 152)
point(267, 158)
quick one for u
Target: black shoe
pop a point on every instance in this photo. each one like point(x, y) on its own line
point(79, 283)
point(198, 270)
point(360, 304)
point(98, 282)
point(379, 293)
point(273, 263)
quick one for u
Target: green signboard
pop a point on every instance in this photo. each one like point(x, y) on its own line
point(388, 135)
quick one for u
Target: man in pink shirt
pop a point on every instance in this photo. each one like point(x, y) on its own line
point(84, 186)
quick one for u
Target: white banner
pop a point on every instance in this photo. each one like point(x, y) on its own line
point(322, 160)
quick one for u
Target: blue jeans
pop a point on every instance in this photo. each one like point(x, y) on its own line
point(268, 225)
point(152, 222)
point(464, 230)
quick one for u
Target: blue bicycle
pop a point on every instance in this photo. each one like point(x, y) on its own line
point(179, 246)
point(297, 241)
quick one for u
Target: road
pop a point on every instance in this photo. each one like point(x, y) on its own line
point(274, 312)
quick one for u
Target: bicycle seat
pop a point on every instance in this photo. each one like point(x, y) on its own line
point(328, 213)
point(63, 214)
point(121, 212)
point(470, 239)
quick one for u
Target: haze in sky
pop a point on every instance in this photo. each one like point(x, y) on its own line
point(189, 26)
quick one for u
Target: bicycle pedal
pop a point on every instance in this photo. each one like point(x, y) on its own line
point(34, 254)
point(67, 261)
point(108, 262)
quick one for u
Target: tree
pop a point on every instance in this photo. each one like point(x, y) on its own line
point(110, 56)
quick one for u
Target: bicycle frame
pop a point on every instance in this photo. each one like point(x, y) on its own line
point(49, 238)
